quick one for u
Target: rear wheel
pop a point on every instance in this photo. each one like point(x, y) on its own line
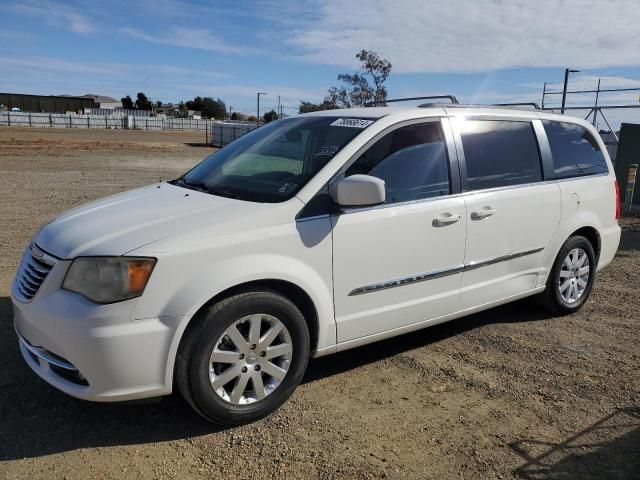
point(571, 278)
point(244, 357)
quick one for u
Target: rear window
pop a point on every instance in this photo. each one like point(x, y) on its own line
point(499, 153)
point(575, 152)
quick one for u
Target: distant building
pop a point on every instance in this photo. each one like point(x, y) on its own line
point(167, 110)
point(104, 102)
point(45, 103)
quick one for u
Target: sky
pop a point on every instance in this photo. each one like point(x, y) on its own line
point(482, 51)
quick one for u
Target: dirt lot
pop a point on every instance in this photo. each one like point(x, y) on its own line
point(507, 393)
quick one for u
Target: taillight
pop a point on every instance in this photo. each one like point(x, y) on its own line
point(617, 200)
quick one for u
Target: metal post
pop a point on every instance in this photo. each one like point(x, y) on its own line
point(258, 113)
point(88, 122)
point(610, 129)
point(595, 105)
point(50, 121)
point(70, 121)
point(8, 119)
point(631, 183)
point(567, 71)
point(544, 94)
point(564, 89)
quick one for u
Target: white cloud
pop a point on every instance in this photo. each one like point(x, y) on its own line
point(188, 38)
point(56, 14)
point(51, 76)
point(472, 36)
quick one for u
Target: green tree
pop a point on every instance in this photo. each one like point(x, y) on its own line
point(127, 103)
point(209, 107)
point(270, 116)
point(142, 102)
point(306, 107)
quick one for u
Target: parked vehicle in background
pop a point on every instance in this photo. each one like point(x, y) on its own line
point(308, 236)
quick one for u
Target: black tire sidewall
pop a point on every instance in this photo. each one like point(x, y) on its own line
point(216, 322)
point(570, 244)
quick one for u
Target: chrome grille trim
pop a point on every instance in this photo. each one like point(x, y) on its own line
point(45, 355)
point(34, 267)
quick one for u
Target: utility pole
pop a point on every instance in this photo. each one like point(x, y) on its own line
point(258, 115)
point(564, 89)
point(279, 107)
point(230, 107)
point(544, 94)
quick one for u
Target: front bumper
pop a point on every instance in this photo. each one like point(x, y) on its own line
point(93, 352)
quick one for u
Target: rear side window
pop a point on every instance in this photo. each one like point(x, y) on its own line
point(499, 153)
point(412, 161)
point(574, 150)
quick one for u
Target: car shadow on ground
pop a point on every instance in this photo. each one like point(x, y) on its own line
point(36, 419)
point(607, 450)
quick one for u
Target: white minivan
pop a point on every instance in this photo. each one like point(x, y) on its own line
point(308, 236)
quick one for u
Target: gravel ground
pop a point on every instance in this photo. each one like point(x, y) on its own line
point(507, 393)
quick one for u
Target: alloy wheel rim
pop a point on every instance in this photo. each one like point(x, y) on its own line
point(574, 275)
point(250, 359)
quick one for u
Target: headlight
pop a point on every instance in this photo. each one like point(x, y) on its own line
point(108, 279)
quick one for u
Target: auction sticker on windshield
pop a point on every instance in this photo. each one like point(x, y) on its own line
point(352, 122)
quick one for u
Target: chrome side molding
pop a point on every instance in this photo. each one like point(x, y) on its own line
point(423, 277)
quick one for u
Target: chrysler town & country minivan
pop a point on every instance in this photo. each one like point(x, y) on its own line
point(308, 236)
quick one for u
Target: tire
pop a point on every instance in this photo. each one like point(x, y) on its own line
point(200, 372)
point(564, 302)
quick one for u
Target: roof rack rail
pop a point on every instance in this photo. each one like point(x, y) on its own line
point(522, 104)
point(451, 98)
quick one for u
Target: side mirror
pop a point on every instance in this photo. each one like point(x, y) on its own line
point(360, 191)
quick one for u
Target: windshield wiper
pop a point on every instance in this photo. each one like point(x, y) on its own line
point(222, 193)
point(203, 187)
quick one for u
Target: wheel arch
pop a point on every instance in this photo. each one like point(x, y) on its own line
point(295, 293)
point(587, 230)
point(591, 234)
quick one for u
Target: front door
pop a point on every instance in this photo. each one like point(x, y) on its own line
point(400, 263)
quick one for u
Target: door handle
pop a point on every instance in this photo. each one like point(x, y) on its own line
point(484, 212)
point(445, 219)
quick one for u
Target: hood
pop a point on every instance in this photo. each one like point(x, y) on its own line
point(118, 224)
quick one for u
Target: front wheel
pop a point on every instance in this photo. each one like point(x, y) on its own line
point(571, 278)
point(244, 357)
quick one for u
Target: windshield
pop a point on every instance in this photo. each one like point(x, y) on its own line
point(271, 163)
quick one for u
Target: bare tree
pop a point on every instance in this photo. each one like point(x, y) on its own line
point(378, 69)
point(356, 91)
point(360, 91)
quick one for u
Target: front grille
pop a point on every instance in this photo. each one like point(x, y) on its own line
point(32, 272)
